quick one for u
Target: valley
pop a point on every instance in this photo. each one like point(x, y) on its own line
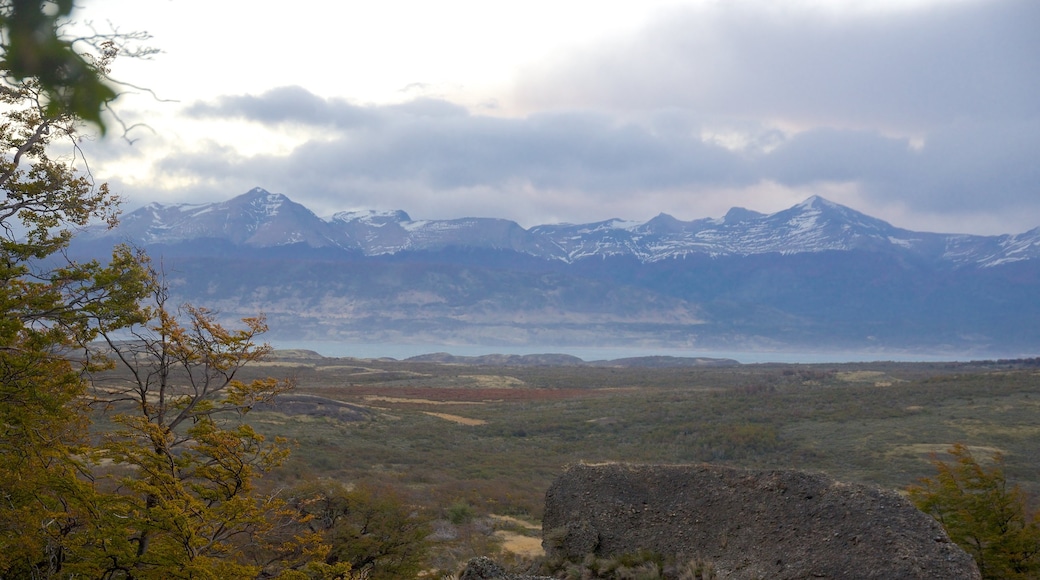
point(488, 439)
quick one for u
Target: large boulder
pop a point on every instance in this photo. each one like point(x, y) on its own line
point(747, 524)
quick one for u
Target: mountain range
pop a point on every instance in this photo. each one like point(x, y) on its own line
point(818, 275)
point(260, 219)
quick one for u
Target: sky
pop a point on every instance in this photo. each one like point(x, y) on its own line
point(925, 113)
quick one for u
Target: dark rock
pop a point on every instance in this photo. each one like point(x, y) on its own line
point(747, 524)
point(484, 568)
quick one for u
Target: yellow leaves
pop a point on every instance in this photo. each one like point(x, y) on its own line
point(246, 395)
point(48, 305)
point(191, 462)
point(169, 491)
point(317, 569)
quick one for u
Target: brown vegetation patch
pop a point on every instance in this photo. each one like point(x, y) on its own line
point(284, 364)
point(518, 536)
point(455, 394)
point(510, 520)
point(515, 543)
point(860, 376)
point(495, 381)
point(418, 401)
point(456, 418)
point(356, 371)
point(299, 405)
point(927, 450)
point(879, 378)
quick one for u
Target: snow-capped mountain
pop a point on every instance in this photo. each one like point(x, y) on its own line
point(377, 233)
point(256, 218)
point(818, 275)
point(262, 219)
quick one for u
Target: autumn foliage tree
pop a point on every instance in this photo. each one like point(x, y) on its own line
point(185, 460)
point(983, 514)
point(169, 491)
point(372, 530)
point(48, 306)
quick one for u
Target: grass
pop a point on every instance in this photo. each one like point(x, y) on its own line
point(856, 422)
point(493, 439)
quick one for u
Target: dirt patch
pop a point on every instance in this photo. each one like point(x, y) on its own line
point(456, 418)
point(521, 545)
point(456, 394)
point(860, 376)
point(277, 363)
point(879, 378)
point(516, 522)
point(495, 381)
point(352, 368)
point(359, 372)
point(418, 401)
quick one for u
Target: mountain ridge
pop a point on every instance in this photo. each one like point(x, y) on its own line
point(259, 218)
point(816, 276)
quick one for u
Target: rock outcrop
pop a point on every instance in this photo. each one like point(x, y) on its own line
point(747, 524)
point(484, 568)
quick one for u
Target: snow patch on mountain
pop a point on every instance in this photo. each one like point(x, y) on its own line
point(375, 218)
point(261, 219)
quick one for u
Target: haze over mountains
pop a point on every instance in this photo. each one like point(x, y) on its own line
point(817, 276)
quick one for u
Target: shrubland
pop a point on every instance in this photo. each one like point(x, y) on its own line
point(879, 423)
point(142, 439)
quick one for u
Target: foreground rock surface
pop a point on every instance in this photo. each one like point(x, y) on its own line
point(747, 524)
point(484, 568)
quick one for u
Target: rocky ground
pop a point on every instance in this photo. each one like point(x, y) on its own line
point(747, 524)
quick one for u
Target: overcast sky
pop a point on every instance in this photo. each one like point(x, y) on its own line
point(925, 113)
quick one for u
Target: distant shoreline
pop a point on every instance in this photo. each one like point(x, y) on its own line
point(593, 353)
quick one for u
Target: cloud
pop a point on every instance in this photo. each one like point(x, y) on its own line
point(290, 104)
point(438, 146)
point(294, 105)
point(906, 69)
point(445, 146)
point(930, 115)
point(967, 166)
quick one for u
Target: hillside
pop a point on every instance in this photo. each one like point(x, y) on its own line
point(816, 276)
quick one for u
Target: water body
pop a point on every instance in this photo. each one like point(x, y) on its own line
point(592, 353)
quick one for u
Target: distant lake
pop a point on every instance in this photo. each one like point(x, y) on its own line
point(592, 353)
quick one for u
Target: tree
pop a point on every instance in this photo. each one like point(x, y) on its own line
point(982, 514)
point(35, 50)
point(185, 462)
point(372, 529)
point(47, 303)
point(169, 493)
point(48, 496)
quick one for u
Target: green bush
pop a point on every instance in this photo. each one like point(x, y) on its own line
point(460, 513)
point(982, 514)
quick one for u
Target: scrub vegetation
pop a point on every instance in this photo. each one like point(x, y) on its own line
point(145, 439)
point(879, 423)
